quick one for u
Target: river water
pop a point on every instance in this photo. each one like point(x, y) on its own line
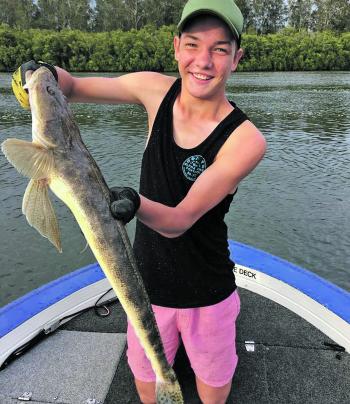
point(296, 204)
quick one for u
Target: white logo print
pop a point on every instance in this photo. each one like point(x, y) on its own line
point(193, 166)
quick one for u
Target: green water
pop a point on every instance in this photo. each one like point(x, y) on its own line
point(295, 205)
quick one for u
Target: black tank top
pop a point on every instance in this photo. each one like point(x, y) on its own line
point(194, 269)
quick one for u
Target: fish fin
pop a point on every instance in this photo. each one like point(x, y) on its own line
point(169, 392)
point(40, 213)
point(30, 159)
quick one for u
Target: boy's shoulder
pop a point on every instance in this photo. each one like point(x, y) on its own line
point(152, 81)
point(151, 88)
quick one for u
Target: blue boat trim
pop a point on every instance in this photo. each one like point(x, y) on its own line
point(26, 307)
point(329, 295)
point(334, 298)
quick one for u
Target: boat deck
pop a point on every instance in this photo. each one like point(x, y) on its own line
point(79, 362)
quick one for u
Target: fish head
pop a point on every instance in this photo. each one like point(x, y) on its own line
point(48, 106)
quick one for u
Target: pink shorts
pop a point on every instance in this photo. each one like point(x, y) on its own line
point(209, 337)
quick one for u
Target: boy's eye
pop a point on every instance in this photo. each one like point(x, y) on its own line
point(221, 50)
point(190, 45)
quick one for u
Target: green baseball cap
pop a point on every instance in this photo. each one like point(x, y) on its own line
point(226, 10)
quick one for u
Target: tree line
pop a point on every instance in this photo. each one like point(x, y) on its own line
point(150, 48)
point(261, 16)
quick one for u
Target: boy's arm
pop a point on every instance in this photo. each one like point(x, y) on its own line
point(132, 88)
point(147, 88)
point(236, 159)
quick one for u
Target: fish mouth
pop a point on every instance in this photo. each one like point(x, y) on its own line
point(28, 76)
point(42, 88)
point(38, 76)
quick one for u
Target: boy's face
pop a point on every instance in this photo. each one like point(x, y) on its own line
point(206, 56)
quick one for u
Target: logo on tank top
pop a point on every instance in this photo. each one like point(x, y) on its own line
point(193, 166)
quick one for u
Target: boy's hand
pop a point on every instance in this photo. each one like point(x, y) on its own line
point(19, 80)
point(125, 203)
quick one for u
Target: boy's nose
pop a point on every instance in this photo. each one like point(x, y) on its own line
point(204, 59)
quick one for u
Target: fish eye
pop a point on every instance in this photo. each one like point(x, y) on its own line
point(50, 90)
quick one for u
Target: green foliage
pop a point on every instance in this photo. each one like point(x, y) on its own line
point(296, 50)
point(152, 49)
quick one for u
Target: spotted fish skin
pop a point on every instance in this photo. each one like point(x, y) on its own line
point(57, 158)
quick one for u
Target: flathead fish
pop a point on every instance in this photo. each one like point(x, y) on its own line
point(58, 159)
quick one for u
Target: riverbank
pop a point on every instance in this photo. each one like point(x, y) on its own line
point(152, 49)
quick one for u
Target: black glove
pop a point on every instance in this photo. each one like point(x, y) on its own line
point(124, 203)
point(19, 80)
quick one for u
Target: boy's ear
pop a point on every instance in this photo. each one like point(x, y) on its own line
point(238, 56)
point(176, 46)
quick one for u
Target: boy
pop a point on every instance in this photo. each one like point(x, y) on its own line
point(200, 146)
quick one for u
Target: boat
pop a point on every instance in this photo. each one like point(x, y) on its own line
point(65, 342)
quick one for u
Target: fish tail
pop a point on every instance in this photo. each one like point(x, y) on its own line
point(169, 392)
